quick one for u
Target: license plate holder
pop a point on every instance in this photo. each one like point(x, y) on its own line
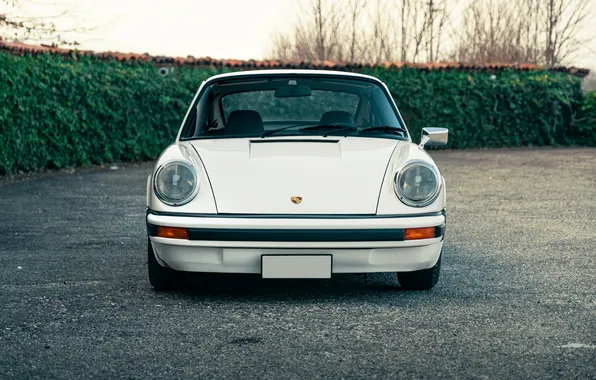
point(296, 266)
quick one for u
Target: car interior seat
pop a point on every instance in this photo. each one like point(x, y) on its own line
point(337, 117)
point(244, 122)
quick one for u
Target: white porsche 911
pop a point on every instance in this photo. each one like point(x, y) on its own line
point(296, 174)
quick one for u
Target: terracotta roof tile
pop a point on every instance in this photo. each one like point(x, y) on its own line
point(19, 48)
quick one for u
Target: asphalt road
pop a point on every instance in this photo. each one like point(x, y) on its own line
point(517, 296)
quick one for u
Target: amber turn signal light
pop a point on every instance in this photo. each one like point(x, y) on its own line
point(420, 233)
point(172, 232)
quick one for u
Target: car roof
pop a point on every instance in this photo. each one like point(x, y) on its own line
point(293, 72)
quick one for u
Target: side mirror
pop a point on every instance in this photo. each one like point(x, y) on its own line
point(433, 137)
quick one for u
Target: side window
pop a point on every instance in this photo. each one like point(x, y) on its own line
point(203, 112)
point(382, 112)
point(372, 119)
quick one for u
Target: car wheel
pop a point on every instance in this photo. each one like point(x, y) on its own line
point(161, 278)
point(424, 279)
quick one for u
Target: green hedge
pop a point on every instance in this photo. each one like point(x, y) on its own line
point(507, 109)
point(59, 113)
point(585, 124)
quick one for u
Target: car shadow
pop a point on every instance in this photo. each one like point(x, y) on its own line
point(242, 287)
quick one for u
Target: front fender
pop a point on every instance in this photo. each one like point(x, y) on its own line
point(148, 193)
point(389, 203)
point(204, 201)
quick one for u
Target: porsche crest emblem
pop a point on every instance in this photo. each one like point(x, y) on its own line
point(296, 200)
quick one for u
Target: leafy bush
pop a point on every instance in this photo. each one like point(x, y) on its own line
point(481, 109)
point(73, 112)
point(58, 113)
point(585, 125)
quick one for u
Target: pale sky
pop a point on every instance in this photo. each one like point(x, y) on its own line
point(240, 29)
point(216, 28)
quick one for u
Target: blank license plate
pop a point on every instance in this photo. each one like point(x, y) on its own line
point(298, 266)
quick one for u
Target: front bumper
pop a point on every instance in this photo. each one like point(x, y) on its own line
point(235, 244)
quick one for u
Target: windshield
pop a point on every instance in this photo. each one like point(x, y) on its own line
point(285, 109)
point(293, 106)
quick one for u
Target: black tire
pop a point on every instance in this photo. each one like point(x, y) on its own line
point(161, 278)
point(424, 279)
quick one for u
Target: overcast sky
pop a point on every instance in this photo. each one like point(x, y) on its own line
point(239, 29)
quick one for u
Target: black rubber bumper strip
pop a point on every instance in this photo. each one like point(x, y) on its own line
point(295, 235)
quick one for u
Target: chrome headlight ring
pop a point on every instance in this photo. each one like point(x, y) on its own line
point(167, 198)
point(427, 199)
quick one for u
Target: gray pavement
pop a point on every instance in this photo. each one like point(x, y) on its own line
point(517, 296)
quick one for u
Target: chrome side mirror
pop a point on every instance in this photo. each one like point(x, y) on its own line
point(433, 137)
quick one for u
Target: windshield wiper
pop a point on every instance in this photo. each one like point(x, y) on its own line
point(326, 126)
point(309, 128)
point(384, 128)
point(330, 128)
point(338, 128)
point(269, 133)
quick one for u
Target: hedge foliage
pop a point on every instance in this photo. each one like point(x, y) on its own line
point(586, 122)
point(59, 113)
point(506, 109)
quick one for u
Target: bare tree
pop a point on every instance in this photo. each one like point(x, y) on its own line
point(430, 14)
point(538, 31)
point(283, 47)
point(489, 31)
point(356, 7)
point(404, 10)
point(317, 33)
point(417, 29)
point(14, 25)
point(564, 20)
point(436, 14)
point(422, 29)
point(531, 32)
point(379, 43)
point(343, 31)
point(444, 16)
point(329, 30)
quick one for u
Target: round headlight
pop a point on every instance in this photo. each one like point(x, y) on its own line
point(417, 184)
point(176, 183)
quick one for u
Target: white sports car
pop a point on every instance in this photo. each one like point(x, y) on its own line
point(296, 174)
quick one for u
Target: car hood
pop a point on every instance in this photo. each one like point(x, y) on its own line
point(296, 176)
